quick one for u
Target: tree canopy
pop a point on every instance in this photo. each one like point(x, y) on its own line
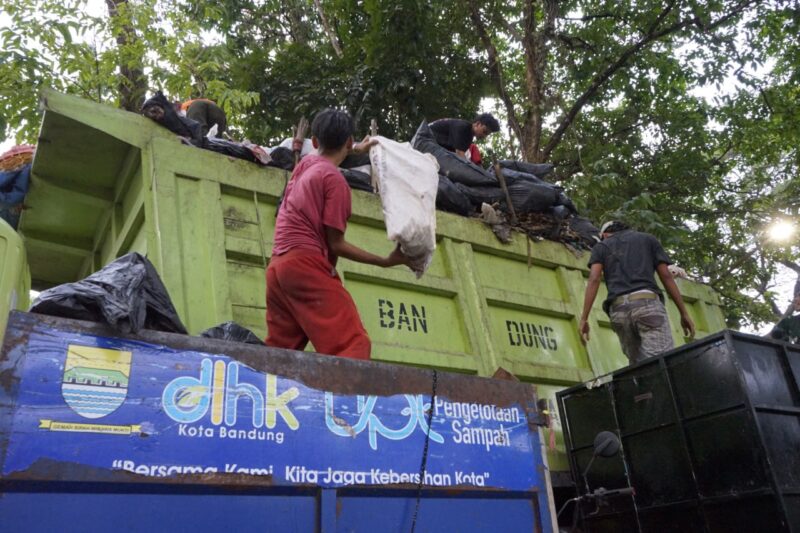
point(680, 117)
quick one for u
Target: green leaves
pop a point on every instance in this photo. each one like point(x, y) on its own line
point(692, 136)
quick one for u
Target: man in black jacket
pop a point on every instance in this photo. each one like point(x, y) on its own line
point(635, 304)
point(457, 135)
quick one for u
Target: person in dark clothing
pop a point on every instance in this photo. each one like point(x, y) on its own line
point(457, 135)
point(788, 329)
point(207, 113)
point(635, 304)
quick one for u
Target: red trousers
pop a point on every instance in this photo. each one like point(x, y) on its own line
point(307, 301)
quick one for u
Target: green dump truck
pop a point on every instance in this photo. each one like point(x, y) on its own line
point(107, 182)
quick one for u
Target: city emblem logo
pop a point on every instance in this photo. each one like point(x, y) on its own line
point(95, 381)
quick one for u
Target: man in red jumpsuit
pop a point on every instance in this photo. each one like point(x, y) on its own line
point(305, 296)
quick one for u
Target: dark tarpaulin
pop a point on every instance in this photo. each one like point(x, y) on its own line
point(127, 294)
point(519, 179)
point(231, 331)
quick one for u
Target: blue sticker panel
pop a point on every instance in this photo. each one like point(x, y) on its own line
point(124, 405)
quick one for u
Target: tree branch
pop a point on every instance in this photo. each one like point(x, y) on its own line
point(592, 17)
point(606, 74)
point(796, 268)
point(570, 41)
point(652, 36)
point(495, 69)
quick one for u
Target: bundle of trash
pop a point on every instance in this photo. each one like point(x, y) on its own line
point(159, 109)
point(465, 188)
point(127, 294)
point(407, 183)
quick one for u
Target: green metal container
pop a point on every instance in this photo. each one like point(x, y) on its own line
point(15, 280)
point(106, 182)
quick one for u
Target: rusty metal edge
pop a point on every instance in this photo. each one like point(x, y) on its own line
point(334, 374)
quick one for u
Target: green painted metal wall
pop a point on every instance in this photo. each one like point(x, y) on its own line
point(108, 182)
point(15, 279)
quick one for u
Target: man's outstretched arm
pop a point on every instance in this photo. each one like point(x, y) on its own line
point(595, 274)
point(674, 293)
point(341, 248)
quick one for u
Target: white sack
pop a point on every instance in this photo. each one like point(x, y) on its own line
point(407, 181)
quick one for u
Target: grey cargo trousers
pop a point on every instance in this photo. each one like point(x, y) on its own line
point(642, 327)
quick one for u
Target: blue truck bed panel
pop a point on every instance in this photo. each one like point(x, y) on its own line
point(169, 432)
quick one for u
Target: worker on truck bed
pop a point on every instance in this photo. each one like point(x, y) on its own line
point(788, 329)
point(305, 297)
point(457, 135)
point(635, 304)
point(206, 112)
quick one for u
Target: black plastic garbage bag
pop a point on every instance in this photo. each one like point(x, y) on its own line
point(452, 198)
point(589, 233)
point(560, 212)
point(127, 294)
point(231, 331)
point(231, 148)
point(170, 119)
point(357, 180)
point(566, 201)
point(539, 169)
point(514, 176)
point(355, 161)
point(282, 158)
point(481, 195)
point(457, 169)
point(532, 197)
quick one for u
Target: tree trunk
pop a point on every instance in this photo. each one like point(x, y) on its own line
point(132, 85)
point(328, 29)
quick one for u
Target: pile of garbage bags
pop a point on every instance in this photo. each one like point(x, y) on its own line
point(465, 186)
point(159, 109)
point(127, 294)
